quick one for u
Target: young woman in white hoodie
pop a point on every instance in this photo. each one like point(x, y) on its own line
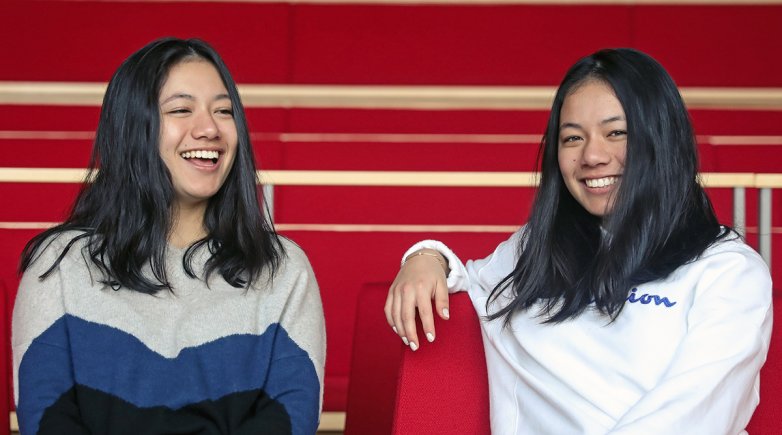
point(622, 306)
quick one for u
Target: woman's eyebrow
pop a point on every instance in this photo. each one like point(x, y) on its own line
point(190, 97)
point(612, 119)
point(177, 96)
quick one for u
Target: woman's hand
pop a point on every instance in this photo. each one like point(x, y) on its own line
point(421, 279)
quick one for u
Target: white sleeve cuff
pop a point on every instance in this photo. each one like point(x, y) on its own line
point(457, 278)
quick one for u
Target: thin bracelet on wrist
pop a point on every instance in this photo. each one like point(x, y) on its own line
point(437, 257)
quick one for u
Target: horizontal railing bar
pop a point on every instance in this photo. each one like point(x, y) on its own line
point(42, 175)
point(727, 179)
point(399, 178)
point(389, 97)
point(768, 180)
point(388, 178)
point(418, 138)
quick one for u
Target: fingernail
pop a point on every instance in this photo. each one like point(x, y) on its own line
point(446, 314)
point(404, 340)
point(430, 337)
point(413, 346)
point(394, 328)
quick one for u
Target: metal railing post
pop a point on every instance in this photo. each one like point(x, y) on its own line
point(739, 210)
point(268, 201)
point(764, 224)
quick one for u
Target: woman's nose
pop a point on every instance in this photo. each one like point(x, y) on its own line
point(595, 152)
point(205, 126)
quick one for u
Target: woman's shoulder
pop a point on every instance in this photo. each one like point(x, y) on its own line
point(66, 244)
point(731, 256)
point(294, 254)
point(294, 262)
point(732, 245)
point(294, 274)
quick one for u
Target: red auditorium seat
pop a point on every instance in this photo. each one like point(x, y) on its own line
point(442, 388)
point(377, 353)
point(768, 415)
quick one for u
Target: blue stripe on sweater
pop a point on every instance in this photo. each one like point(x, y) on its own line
point(115, 362)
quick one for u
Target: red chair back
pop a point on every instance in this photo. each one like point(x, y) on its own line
point(440, 389)
point(443, 386)
point(374, 368)
point(768, 416)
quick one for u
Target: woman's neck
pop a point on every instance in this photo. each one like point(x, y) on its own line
point(188, 224)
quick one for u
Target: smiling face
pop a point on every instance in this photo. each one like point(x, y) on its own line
point(198, 137)
point(592, 145)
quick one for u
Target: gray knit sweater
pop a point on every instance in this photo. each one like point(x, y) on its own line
point(202, 359)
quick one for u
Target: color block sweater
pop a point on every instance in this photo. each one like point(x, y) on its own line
point(199, 360)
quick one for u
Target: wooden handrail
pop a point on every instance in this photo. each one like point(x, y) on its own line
point(390, 178)
point(396, 138)
point(386, 97)
point(399, 178)
point(728, 179)
point(768, 181)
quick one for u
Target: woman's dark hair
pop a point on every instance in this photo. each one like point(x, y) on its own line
point(661, 217)
point(124, 209)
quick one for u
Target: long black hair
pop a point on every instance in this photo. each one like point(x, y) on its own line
point(124, 208)
point(661, 217)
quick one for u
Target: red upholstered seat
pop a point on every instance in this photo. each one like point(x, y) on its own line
point(440, 389)
point(768, 416)
point(443, 387)
point(374, 368)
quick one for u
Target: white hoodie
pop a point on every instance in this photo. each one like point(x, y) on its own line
point(683, 356)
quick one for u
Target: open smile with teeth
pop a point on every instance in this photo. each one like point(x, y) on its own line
point(600, 182)
point(201, 154)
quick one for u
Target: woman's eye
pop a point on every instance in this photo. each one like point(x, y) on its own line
point(228, 112)
point(569, 139)
point(179, 110)
point(616, 133)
